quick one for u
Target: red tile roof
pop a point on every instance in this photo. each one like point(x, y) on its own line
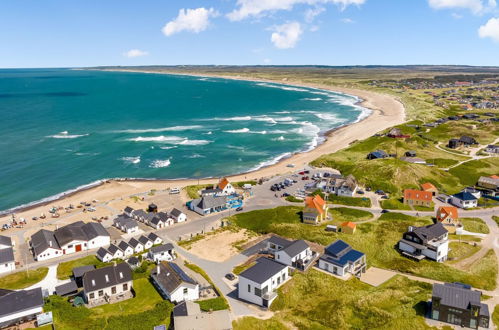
point(427, 186)
point(445, 211)
point(349, 224)
point(419, 195)
point(315, 202)
point(223, 183)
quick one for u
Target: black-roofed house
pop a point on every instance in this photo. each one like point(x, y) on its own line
point(20, 306)
point(67, 289)
point(173, 283)
point(7, 261)
point(208, 204)
point(458, 304)
point(258, 284)
point(454, 143)
point(108, 285)
point(139, 215)
point(5, 242)
point(164, 252)
point(136, 245)
point(126, 224)
point(467, 141)
point(464, 200)
point(154, 238)
point(377, 154)
point(188, 316)
point(296, 254)
point(133, 262)
point(430, 242)
point(160, 221)
point(125, 248)
point(104, 255)
point(146, 242)
point(115, 252)
point(178, 215)
point(342, 260)
point(129, 211)
point(78, 273)
point(75, 237)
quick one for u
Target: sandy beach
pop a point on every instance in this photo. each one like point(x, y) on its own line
point(387, 111)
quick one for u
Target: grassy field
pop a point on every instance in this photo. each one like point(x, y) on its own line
point(193, 191)
point(495, 316)
point(65, 269)
point(394, 204)
point(241, 268)
point(214, 304)
point(347, 214)
point(21, 280)
point(460, 251)
point(144, 311)
point(475, 225)
point(251, 323)
point(293, 199)
point(350, 201)
point(496, 219)
point(469, 172)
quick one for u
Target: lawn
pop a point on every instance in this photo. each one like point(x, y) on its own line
point(495, 316)
point(214, 304)
point(144, 311)
point(351, 201)
point(293, 199)
point(442, 162)
point(377, 239)
point(460, 251)
point(475, 225)
point(252, 323)
point(193, 191)
point(394, 204)
point(425, 208)
point(65, 269)
point(315, 300)
point(496, 219)
point(23, 279)
point(242, 267)
point(469, 172)
point(348, 214)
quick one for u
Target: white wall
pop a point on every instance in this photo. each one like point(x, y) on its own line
point(272, 284)
point(119, 290)
point(36, 310)
point(164, 256)
point(8, 267)
point(71, 246)
point(181, 218)
point(99, 241)
point(118, 255)
point(107, 258)
point(333, 269)
point(192, 293)
point(463, 204)
point(48, 254)
point(139, 248)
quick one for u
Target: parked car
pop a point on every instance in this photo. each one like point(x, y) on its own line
point(301, 173)
point(379, 192)
point(174, 191)
point(230, 276)
point(360, 192)
point(385, 211)
point(240, 208)
point(385, 197)
point(285, 195)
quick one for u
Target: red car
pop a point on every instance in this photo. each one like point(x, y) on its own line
point(301, 173)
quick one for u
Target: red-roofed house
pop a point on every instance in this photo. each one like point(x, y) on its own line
point(417, 197)
point(226, 187)
point(448, 216)
point(430, 188)
point(348, 227)
point(315, 211)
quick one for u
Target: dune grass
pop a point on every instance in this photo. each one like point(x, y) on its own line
point(496, 219)
point(23, 279)
point(193, 191)
point(475, 225)
point(468, 173)
point(65, 269)
point(460, 251)
point(394, 204)
point(252, 323)
point(350, 201)
point(348, 214)
point(495, 316)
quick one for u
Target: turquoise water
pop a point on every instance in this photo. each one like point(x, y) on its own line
point(61, 129)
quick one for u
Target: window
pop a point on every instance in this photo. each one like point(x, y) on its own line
point(101, 293)
point(283, 277)
point(258, 292)
point(113, 290)
point(186, 291)
point(70, 246)
point(278, 256)
point(249, 288)
point(92, 295)
point(125, 287)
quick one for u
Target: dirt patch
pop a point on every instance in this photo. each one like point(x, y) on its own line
point(218, 247)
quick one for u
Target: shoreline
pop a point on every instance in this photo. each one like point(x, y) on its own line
point(385, 111)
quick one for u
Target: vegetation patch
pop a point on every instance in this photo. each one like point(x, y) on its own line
point(241, 184)
point(65, 269)
point(351, 201)
point(394, 204)
point(23, 279)
point(219, 302)
point(495, 315)
point(461, 250)
point(475, 225)
point(348, 214)
point(193, 191)
point(241, 268)
point(293, 199)
point(468, 173)
point(496, 219)
point(442, 162)
point(252, 323)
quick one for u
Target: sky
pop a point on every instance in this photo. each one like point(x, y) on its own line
point(62, 33)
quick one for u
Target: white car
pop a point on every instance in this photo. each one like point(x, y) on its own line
point(174, 191)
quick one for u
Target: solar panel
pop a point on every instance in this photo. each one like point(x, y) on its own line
point(181, 273)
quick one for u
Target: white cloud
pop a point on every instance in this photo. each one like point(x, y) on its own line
point(192, 20)
point(248, 8)
point(347, 20)
point(311, 13)
point(286, 35)
point(490, 29)
point(456, 16)
point(476, 6)
point(135, 53)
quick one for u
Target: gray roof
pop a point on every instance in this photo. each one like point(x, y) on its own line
point(162, 248)
point(112, 249)
point(123, 246)
point(94, 229)
point(18, 301)
point(175, 212)
point(170, 277)
point(6, 255)
point(133, 242)
point(69, 233)
point(211, 191)
point(80, 271)
point(157, 220)
point(430, 232)
point(5, 240)
point(140, 213)
point(128, 209)
point(96, 279)
point(295, 248)
point(279, 241)
point(208, 202)
point(458, 296)
point(66, 288)
point(42, 240)
point(101, 252)
point(143, 239)
point(186, 308)
point(133, 261)
point(163, 216)
point(152, 236)
point(263, 270)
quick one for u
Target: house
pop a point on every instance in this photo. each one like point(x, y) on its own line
point(211, 192)
point(166, 218)
point(458, 304)
point(126, 249)
point(492, 149)
point(126, 224)
point(7, 261)
point(296, 254)
point(78, 273)
point(136, 245)
point(475, 192)
point(340, 259)
point(116, 252)
point(133, 262)
point(348, 227)
point(107, 285)
point(188, 316)
point(5, 242)
point(448, 217)
point(104, 255)
point(378, 154)
point(489, 183)
point(454, 143)
point(464, 200)
point(226, 187)
point(20, 306)
point(414, 197)
point(178, 215)
point(397, 133)
point(75, 237)
point(173, 283)
point(467, 141)
point(159, 222)
point(163, 252)
point(315, 211)
point(429, 187)
point(430, 242)
point(342, 186)
point(146, 242)
point(155, 239)
point(139, 215)
point(410, 153)
point(208, 204)
point(258, 284)
point(128, 211)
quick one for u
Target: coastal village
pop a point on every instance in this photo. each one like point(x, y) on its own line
point(399, 230)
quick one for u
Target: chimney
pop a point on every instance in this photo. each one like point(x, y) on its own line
point(121, 275)
point(50, 243)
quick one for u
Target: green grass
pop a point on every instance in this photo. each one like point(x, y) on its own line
point(467, 238)
point(219, 302)
point(144, 311)
point(260, 221)
point(469, 172)
point(241, 268)
point(424, 208)
point(193, 191)
point(252, 323)
point(351, 201)
point(495, 316)
point(21, 280)
point(214, 304)
point(293, 199)
point(241, 184)
point(347, 214)
point(475, 225)
point(460, 251)
point(496, 219)
point(65, 269)
point(394, 204)
point(442, 162)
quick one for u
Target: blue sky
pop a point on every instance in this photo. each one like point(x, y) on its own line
point(62, 33)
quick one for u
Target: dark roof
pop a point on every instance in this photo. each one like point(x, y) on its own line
point(175, 212)
point(133, 261)
point(18, 301)
point(295, 248)
point(153, 236)
point(101, 252)
point(465, 196)
point(208, 202)
point(340, 253)
point(140, 213)
point(5, 240)
point(128, 209)
point(157, 220)
point(123, 246)
point(171, 276)
point(94, 229)
point(67, 288)
point(96, 279)
point(163, 216)
point(80, 271)
point(112, 249)
point(162, 248)
point(263, 270)
point(277, 240)
point(430, 232)
point(6, 255)
point(211, 191)
point(458, 296)
point(180, 309)
point(133, 242)
point(467, 140)
point(143, 239)
point(42, 239)
point(69, 233)
point(378, 154)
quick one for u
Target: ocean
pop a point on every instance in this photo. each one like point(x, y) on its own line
point(61, 129)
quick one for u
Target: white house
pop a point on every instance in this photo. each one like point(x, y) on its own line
point(226, 187)
point(7, 262)
point(492, 149)
point(136, 245)
point(115, 252)
point(209, 204)
point(160, 253)
point(430, 242)
point(464, 200)
point(20, 306)
point(178, 215)
point(155, 239)
point(5, 242)
point(258, 284)
point(126, 249)
point(296, 254)
point(126, 224)
point(129, 211)
point(173, 283)
point(340, 259)
point(341, 186)
point(104, 255)
point(108, 284)
point(146, 242)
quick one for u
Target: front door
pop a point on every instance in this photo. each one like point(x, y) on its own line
point(78, 248)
